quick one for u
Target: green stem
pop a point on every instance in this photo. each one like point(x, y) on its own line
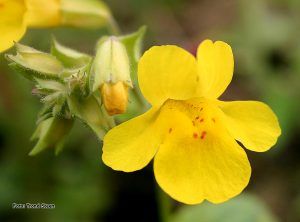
point(109, 121)
point(164, 205)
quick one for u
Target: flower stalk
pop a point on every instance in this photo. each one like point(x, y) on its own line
point(164, 205)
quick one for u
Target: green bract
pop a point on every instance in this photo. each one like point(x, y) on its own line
point(70, 58)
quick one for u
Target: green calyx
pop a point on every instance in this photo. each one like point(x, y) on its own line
point(111, 64)
point(116, 59)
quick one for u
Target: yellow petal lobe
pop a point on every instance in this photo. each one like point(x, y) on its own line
point(252, 123)
point(12, 24)
point(215, 68)
point(131, 145)
point(167, 72)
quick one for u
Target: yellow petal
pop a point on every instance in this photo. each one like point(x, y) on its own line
point(215, 68)
point(12, 25)
point(43, 13)
point(191, 167)
point(252, 123)
point(167, 72)
point(131, 145)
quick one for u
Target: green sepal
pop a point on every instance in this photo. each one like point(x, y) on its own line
point(27, 73)
point(51, 85)
point(53, 96)
point(58, 108)
point(51, 133)
point(133, 43)
point(70, 58)
point(90, 111)
point(35, 63)
point(111, 63)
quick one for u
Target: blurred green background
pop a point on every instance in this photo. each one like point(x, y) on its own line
point(265, 38)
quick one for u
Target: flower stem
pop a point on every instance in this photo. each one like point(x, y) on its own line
point(164, 205)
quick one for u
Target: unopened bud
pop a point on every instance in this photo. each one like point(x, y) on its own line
point(115, 97)
point(51, 133)
point(111, 74)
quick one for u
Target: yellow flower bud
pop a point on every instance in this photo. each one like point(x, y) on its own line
point(17, 15)
point(115, 97)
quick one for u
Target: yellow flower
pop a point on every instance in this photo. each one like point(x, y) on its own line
point(17, 15)
point(189, 132)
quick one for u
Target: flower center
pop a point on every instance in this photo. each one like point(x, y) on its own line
point(195, 117)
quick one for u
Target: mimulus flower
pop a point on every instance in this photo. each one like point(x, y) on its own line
point(192, 135)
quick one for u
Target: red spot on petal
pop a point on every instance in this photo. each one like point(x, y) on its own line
point(201, 120)
point(203, 134)
point(197, 117)
point(195, 135)
point(201, 109)
point(170, 130)
point(213, 119)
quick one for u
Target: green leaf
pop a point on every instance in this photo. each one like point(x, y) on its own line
point(89, 110)
point(68, 57)
point(245, 208)
point(51, 133)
